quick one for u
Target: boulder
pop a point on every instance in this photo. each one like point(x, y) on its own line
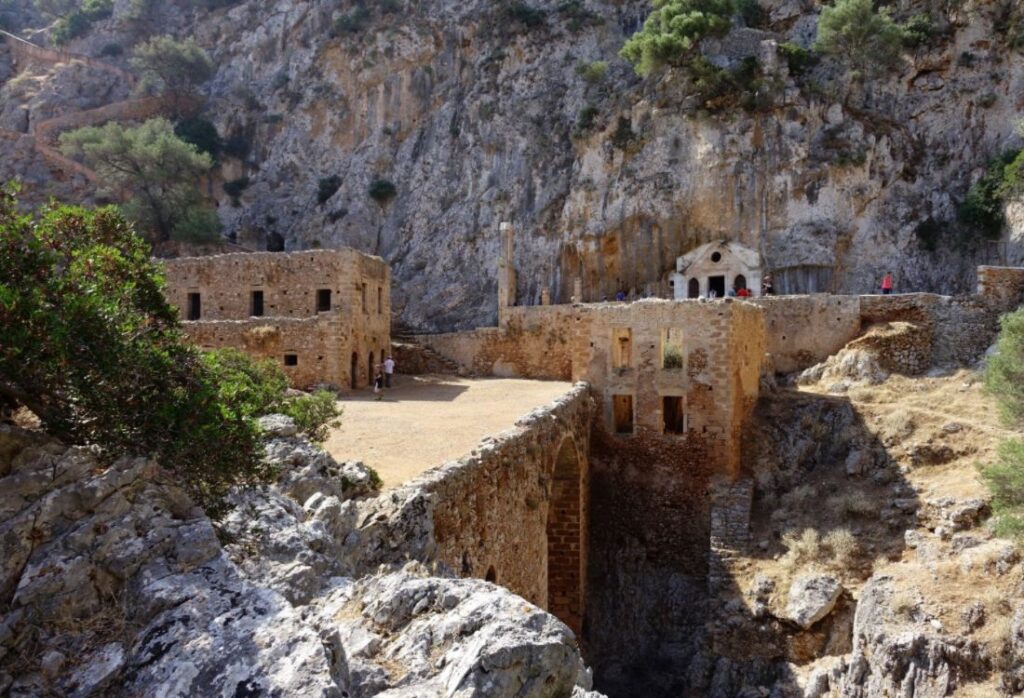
point(811, 598)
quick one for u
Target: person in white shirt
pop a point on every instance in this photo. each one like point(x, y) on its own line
point(389, 370)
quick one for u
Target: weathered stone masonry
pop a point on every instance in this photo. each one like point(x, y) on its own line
point(324, 315)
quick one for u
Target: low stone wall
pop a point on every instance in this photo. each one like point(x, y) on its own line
point(514, 511)
point(806, 330)
point(535, 343)
point(1002, 287)
point(26, 50)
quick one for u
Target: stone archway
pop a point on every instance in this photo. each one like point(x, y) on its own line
point(354, 371)
point(566, 545)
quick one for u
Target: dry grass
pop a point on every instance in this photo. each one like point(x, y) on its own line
point(844, 547)
point(854, 503)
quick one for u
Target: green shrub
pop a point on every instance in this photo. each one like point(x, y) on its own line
point(673, 357)
point(526, 15)
point(982, 209)
point(918, 31)
point(797, 58)
point(586, 118)
point(71, 27)
point(353, 22)
point(672, 31)
point(235, 187)
point(326, 188)
point(578, 15)
point(382, 190)
point(1004, 373)
point(865, 39)
point(751, 12)
point(91, 346)
point(315, 415)
point(1005, 479)
point(624, 134)
point(592, 72)
point(112, 50)
point(201, 133)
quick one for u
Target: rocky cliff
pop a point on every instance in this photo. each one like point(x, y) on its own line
point(481, 111)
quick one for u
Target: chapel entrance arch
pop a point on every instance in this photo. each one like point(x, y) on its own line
point(565, 534)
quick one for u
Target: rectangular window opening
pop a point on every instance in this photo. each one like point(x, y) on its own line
point(673, 414)
point(672, 348)
point(195, 306)
point(380, 300)
point(256, 304)
point(622, 413)
point(622, 348)
point(366, 308)
point(323, 300)
point(291, 359)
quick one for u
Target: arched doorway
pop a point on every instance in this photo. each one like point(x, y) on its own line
point(740, 282)
point(693, 289)
point(354, 371)
point(371, 373)
point(492, 575)
point(566, 554)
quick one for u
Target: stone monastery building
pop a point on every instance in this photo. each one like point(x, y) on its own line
point(324, 315)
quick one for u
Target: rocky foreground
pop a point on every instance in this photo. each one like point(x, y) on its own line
point(113, 583)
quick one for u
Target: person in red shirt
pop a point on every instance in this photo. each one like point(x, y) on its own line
point(887, 283)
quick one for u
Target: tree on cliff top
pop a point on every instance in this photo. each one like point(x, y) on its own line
point(92, 347)
point(1004, 378)
point(673, 30)
point(853, 32)
point(171, 67)
point(157, 168)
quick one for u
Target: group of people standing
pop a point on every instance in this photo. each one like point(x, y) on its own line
point(383, 377)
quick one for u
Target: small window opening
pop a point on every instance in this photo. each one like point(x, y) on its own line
point(291, 359)
point(622, 348)
point(365, 308)
point(380, 300)
point(323, 300)
point(672, 348)
point(256, 304)
point(195, 306)
point(716, 257)
point(673, 414)
point(622, 411)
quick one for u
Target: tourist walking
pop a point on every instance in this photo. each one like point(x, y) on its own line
point(887, 283)
point(767, 286)
point(378, 384)
point(389, 371)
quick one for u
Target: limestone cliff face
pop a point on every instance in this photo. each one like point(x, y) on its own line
point(473, 115)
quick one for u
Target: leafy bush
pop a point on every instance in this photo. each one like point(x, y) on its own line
point(112, 50)
point(672, 31)
point(382, 190)
point(1004, 373)
point(797, 58)
point(865, 39)
point(235, 187)
point(624, 134)
point(586, 118)
point(353, 22)
point(673, 357)
point(1005, 479)
point(526, 15)
point(982, 209)
point(592, 72)
point(751, 12)
point(327, 187)
point(92, 347)
point(315, 415)
point(918, 31)
point(170, 66)
point(201, 133)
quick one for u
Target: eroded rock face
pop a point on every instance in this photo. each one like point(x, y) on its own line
point(114, 584)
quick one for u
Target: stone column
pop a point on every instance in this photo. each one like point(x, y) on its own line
point(577, 290)
point(506, 273)
point(545, 296)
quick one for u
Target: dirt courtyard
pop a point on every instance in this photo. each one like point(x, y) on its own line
point(427, 420)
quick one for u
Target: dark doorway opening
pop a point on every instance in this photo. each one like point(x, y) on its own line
point(354, 371)
point(373, 369)
point(622, 413)
point(672, 414)
point(256, 306)
point(492, 575)
point(323, 300)
point(716, 284)
point(741, 282)
point(195, 306)
point(693, 289)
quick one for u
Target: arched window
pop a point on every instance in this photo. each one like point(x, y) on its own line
point(693, 290)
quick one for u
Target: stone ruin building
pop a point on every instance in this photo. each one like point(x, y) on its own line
point(323, 315)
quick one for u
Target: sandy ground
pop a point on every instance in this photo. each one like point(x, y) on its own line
point(426, 420)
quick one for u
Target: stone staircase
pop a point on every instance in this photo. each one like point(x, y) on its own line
point(413, 358)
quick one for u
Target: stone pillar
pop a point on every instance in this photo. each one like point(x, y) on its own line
point(577, 290)
point(506, 273)
point(545, 296)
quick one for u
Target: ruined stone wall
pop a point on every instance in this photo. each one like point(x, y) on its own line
point(535, 343)
point(1003, 287)
point(805, 330)
point(319, 345)
point(345, 342)
point(509, 511)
